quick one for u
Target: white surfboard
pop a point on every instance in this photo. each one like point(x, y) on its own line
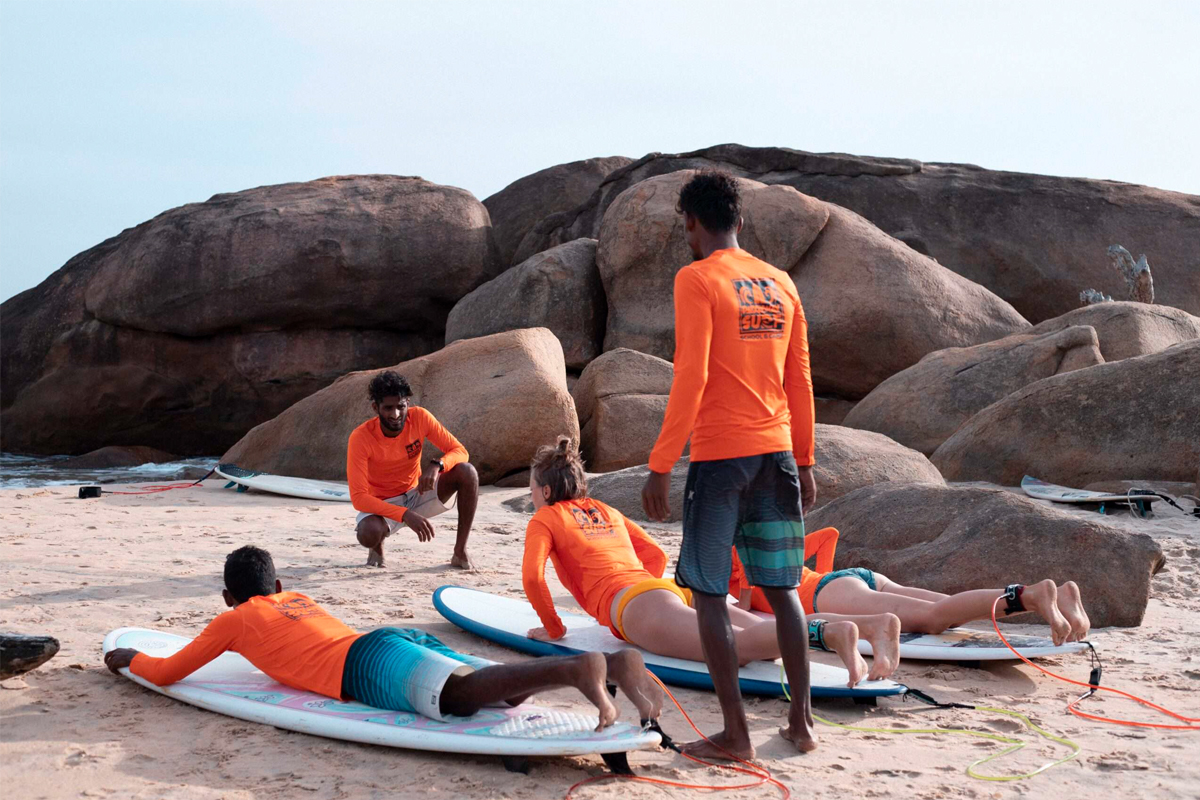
point(232, 686)
point(1040, 490)
point(281, 484)
point(964, 644)
point(505, 620)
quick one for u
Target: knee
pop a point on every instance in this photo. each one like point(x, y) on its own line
point(452, 703)
point(371, 531)
point(464, 475)
point(930, 621)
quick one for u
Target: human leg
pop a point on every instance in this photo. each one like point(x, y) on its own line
point(660, 622)
point(462, 480)
point(1070, 604)
point(371, 531)
point(792, 630)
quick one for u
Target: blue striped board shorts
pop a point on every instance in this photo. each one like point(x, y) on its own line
point(403, 669)
point(752, 503)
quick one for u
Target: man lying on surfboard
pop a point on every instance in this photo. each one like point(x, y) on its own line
point(861, 591)
point(614, 570)
point(388, 485)
point(298, 644)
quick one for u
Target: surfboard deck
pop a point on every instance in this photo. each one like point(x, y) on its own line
point(1041, 490)
point(505, 620)
point(305, 488)
point(231, 685)
point(965, 644)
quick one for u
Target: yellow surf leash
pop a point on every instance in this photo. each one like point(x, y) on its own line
point(1014, 744)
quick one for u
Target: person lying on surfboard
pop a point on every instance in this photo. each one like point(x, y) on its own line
point(615, 571)
point(388, 485)
point(860, 591)
point(297, 643)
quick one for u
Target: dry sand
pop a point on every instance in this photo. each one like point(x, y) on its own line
point(77, 569)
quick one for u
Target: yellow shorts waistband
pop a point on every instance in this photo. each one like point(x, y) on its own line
point(639, 589)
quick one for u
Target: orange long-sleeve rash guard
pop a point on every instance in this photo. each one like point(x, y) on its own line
point(379, 467)
point(286, 635)
point(819, 545)
point(596, 551)
point(743, 383)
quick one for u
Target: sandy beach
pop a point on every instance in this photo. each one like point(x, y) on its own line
point(77, 569)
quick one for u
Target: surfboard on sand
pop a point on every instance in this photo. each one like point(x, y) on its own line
point(964, 644)
point(505, 620)
point(283, 485)
point(1041, 490)
point(232, 686)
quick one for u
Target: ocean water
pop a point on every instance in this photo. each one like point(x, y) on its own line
point(28, 472)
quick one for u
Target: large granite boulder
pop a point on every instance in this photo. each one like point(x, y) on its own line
point(502, 396)
point(186, 331)
point(1133, 419)
point(557, 289)
point(873, 305)
point(516, 208)
point(621, 399)
point(1127, 329)
point(923, 405)
point(846, 460)
point(115, 457)
point(1034, 240)
point(950, 539)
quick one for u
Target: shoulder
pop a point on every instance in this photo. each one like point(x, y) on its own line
point(420, 416)
point(363, 430)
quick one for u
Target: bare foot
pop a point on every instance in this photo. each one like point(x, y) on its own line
point(804, 739)
point(842, 638)
point(589, 672)
point(462, 561)
point(883, 632)
point(720, 747)
point(1070, 604)
point(375, 557)
point(627, 669)
point(1042, 598)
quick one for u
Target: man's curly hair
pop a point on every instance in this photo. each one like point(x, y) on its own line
point(388, 384)
point(713, 199)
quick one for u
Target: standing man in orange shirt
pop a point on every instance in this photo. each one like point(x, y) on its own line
point(388, 484)
point(743, 392)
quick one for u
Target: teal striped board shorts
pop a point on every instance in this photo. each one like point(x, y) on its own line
point(751, 503)
point(403, 669)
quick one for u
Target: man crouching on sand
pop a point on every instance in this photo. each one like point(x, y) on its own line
point(298, 644)
point(388, 485)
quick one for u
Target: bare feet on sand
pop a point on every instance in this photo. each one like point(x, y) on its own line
point(1042, 598)
point(588, 674)
point(375, 557)
point(883, 632)
point(802, 736)
point(842, 638)
point(720, 748)
point(462, 561)
point(1071, 606)
point(628, 671)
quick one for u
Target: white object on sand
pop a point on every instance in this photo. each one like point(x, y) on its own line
point(282, 484)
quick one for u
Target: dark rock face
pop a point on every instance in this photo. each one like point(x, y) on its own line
point(950, 539)
point(110, 457)
point(558, 289)
point(186, 331)
point(1034, 240)
point(516, 208)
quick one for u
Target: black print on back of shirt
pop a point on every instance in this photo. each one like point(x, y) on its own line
point(760, 309)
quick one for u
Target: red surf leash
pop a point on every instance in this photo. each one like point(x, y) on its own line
point(153, 488)
point(761, 773)
point(1093, 686)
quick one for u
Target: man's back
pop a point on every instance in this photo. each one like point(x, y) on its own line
point(741, 351)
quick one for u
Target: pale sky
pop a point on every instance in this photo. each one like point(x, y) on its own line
point(112, 112)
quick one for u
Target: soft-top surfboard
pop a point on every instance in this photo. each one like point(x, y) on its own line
point(964, 644)
point(232, 686)
point(505, 620)
point(281, 484)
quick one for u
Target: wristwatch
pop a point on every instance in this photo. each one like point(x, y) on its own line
point(439, 463)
